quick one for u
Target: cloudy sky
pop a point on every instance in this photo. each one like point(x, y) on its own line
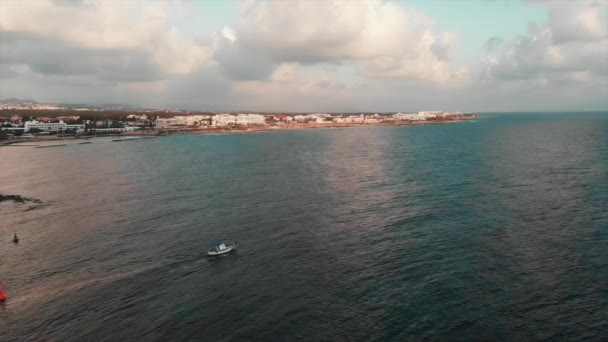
point(309, 55)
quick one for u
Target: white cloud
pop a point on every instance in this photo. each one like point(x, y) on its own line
point(130, 27)
point(284, 73)
point(229, 34)
point(580, 20)
point(384, 39)
point(572, 46)
point(294, 55)
point(299, 88)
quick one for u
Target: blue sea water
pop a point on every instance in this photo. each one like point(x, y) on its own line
point(494, 229)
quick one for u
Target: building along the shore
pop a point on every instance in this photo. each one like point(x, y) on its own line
point(219, 120)
point(223, 120)
point(52, 126)
point(250, 119)
point(183, 121)
point(166, 123)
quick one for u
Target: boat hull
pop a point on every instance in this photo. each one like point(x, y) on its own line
point(222, 252)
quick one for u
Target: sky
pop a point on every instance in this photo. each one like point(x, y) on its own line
point(309, 55)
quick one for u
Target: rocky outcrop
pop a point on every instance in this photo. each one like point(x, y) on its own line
point(18, 199)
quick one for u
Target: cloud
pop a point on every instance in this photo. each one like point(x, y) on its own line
point(383, 39)
point(240, 62)
point(117, 40)
point(50, 57)
point(571, 47)
point(228, 34)
point(581, 20)
point(300, 88)
point(300, 55)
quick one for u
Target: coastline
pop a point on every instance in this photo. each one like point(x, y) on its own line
point(246, 130)
point(294, 127)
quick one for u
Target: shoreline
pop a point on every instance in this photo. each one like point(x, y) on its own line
point(297, 127)
point(248, 130)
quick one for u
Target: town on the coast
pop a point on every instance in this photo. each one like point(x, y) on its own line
point(19, 123)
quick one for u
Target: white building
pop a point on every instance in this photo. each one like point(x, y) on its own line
point(409, 116)
point(450, 114)
point(183, 121)
point(301, 118)
point(196, 120)
point(324, 120)
point(310, 117)
point(250, 119)
point(222, 120)
point(137, 117)
point(52, 126)
point(351, 119)
point(164, 123)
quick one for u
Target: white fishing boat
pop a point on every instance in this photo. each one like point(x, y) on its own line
point(222, 248)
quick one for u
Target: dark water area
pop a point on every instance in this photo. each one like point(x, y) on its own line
point(494, 229)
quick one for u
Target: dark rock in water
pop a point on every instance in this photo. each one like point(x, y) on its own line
point(18, 199)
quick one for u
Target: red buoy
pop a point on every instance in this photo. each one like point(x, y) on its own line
point(2, 292)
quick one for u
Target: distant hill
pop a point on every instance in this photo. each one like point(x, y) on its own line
point(15, 100)
point(102, 106)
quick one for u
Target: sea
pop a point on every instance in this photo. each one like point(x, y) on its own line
point(494, 229)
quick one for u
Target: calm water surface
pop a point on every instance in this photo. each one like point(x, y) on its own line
point(489, 230)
